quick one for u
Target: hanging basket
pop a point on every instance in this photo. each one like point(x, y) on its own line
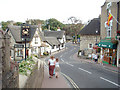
point(114, 41)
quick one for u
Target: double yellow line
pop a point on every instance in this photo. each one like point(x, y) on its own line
point(68, 78)
point(71, 81)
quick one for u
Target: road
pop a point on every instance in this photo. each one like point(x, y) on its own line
point(85, 75)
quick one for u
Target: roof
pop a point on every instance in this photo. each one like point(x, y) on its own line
point(52, 41)
point(91, 28)
point(42, 36)
point(16, 33)
point(57, 34)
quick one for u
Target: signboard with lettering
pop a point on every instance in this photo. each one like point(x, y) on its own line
point(18, 46)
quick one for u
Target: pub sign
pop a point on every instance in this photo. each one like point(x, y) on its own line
point(25, 31)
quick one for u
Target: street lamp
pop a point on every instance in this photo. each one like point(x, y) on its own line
point(96, 36)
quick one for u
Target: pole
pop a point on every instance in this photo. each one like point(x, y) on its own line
point(25, 49)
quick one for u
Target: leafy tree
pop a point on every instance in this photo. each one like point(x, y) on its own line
point(18, 23)
point(53, 24)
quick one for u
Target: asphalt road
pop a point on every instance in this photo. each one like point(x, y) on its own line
point(85, 75)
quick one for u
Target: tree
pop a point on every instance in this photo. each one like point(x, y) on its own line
point(76, 25)
point(53, 24)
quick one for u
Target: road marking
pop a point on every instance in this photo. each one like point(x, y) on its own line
point(110, 81)
point(70, 57)
point(61, 56)
point(71, 81)
point(85, 70)
point(62, 60)
point(69, 64)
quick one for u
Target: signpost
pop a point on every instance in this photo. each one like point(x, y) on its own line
point(25, 33)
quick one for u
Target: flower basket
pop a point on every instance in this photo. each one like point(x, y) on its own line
point(114, 41)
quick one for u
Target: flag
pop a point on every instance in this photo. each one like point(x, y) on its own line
point(109, 18)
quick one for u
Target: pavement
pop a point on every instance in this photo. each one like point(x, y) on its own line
point(60, 82)
point(54, 82)
point(106, 66)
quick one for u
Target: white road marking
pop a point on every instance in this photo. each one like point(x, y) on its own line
point(69, 64)
point(62, 60)
point(110, 81)
point(61, 56)
point(85, 70)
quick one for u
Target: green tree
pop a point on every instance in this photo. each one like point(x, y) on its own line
point(53, 24)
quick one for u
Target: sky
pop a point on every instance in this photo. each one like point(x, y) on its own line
point(21, 10)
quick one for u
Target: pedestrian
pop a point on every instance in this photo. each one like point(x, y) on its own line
point(57, 68)
point(51, 63)
point(93, 56)
point(96, 57)
point(101, 59)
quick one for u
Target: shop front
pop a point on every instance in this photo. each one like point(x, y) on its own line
point(109, 49)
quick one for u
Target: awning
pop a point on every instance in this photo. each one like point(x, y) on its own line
point(107, 45)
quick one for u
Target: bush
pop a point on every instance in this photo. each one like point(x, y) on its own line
point(26, 65)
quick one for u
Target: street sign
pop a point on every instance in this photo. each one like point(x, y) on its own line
point(18, 46)
point(25, 31)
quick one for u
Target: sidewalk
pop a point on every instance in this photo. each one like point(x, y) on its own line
point(107, 66)
point(59, 82)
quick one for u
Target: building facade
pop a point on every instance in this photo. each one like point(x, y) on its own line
point(89, 37)
point(109, 43)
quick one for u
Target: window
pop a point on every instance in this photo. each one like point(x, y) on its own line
point(62, 44)
point(90, 46)
point(109, 28)
point(36, 40)
point(19, 52)
point(53, 46)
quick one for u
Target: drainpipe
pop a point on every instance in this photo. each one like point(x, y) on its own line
point(118, 46)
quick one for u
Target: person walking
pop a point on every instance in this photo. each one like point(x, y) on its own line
point(101, 59)
point(96, 57)
point(51, 63)
point(57, 68)
point(93, 56)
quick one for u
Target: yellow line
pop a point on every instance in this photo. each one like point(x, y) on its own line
point(71, 81)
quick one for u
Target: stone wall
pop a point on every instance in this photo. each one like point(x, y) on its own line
point(36, 76)
point(9, 68)
point(86, 40)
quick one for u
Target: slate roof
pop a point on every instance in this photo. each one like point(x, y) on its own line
point(57, 34)
point(52, 41)
point(91, 28)
point(42, 36)
point(16, 32)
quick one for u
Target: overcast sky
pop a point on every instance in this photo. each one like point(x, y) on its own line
point(20, 10)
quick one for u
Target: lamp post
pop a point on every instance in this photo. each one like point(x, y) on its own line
point(96, 36)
